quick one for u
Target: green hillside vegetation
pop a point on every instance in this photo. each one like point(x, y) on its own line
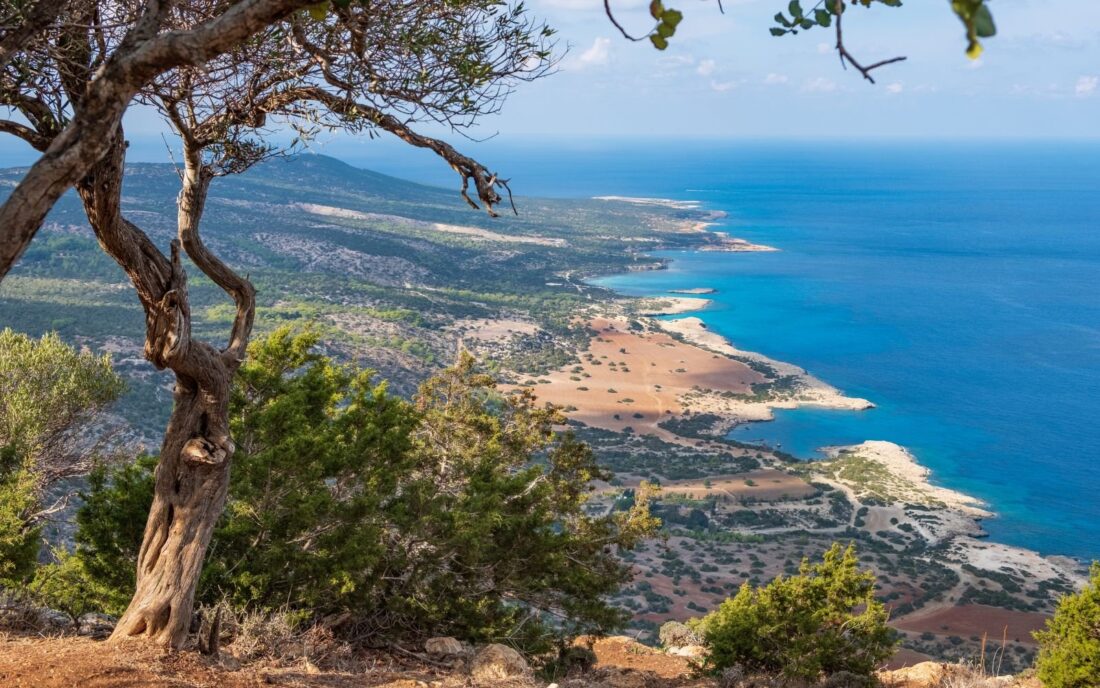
point(459, 512)
point(359, 254)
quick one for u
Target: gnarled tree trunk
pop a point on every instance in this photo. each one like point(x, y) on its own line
point(192, 475)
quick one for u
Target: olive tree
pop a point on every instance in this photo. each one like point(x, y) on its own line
point(359, 67)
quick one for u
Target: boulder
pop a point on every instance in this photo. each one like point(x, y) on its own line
point(690, 651)
point(95, 625)
point(496, 662)
point(444, 646)
point(923, 675)
point(52, 620)
point(625, 678)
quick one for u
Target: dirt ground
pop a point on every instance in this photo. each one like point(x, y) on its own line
point(74, 662)
point(634, 379)
point(976, 619)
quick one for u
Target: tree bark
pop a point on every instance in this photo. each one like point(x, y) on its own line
point(192, 474)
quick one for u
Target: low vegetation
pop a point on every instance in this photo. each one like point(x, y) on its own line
point(1069, 647)
point(821, 622)
point(461, 512)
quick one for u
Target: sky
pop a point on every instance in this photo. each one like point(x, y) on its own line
point(725, 77)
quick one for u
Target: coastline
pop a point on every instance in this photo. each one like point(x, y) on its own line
point(655, 390)
point(965, 512)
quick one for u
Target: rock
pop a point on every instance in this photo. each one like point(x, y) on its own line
point(95, 625)
point(925, 674)
point(54, 620)
point(444, 647)
point(691, 651)
point(625, 678)
point(496, 662)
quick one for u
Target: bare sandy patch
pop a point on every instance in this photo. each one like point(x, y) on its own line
point(472, 232)
point(811, 390)
point(492, 330)
point(765, 485)
point(671, 305)
point(635, 379)
point(975, 619)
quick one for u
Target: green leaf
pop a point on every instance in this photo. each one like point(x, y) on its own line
point(656, 9)
point(319, 11)
point(672, 18)
point(983, 22)
point(658, 41)
point(665, 30)
point(776, 31)
point(782, 20)
point(823, 18)
point(795, 8)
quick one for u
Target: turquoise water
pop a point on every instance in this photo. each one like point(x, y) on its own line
point(957, 287)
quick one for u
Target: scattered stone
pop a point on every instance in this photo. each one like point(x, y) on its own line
point(690, 651)
point(625, 678)
point(496, 662)
point(444, 647)
point(54, 620)
point(96, 626)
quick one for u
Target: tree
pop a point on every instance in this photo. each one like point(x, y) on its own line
point(823, 621)
point(1069, 646)
point(462, 512)
point(448, 61)
point(219, 71)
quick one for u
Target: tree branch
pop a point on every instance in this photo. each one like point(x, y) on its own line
point(140, 57)
point(37, 141)
point(846, 57)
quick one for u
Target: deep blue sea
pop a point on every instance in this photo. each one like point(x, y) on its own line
point(956, 285)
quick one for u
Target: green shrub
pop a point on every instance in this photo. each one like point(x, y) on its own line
point(1069, 646)
point(48, 392)
point(460, 513)
point(19, 538)
point(821, 622)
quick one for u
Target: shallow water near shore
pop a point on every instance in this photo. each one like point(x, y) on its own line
point(959, 291)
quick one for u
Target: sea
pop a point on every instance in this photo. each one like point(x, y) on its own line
point(956, 284)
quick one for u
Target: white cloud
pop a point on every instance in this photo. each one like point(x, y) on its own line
point(706, 67)
point(895, 88)
point(1086, 86)
point(774, 78)
point(819, 85)
point(598, 54)
point(823, 48)
point(722, 85)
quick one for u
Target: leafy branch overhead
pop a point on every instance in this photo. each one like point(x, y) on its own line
point(667, 20)
point(975, 16)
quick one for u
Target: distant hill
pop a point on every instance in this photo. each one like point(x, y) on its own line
point(385, 266)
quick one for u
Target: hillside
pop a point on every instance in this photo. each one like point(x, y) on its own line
point(398, 277)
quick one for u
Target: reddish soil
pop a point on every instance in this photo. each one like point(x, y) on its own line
point(975, 619)
point(638, 374)
point(73, 662)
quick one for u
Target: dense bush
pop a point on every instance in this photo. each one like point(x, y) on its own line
point(821, 622)
point(1069, 646)
point(462, 512)
point(49, 393)
point(19, 537)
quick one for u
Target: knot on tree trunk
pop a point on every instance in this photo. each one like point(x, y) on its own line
point(168, 320)
point(202, 451)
